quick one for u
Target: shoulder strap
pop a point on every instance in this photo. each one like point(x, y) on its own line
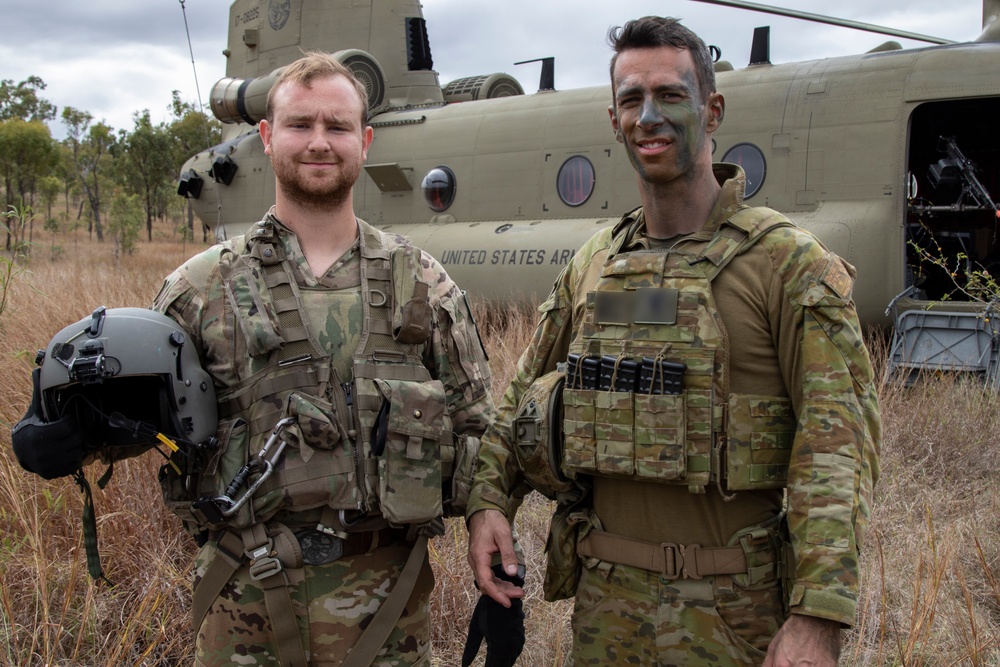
point(624, 230)
point(738, 234)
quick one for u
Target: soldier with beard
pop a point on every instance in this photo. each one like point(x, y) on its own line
point(352, 389)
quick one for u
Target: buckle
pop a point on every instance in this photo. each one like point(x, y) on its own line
point(262, 568)
point(677, 557)
point(262, 563)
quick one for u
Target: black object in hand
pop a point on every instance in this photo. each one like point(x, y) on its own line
point(501, 627)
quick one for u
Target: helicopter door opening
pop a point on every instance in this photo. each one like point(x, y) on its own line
point(941, 320)
point(952, 228)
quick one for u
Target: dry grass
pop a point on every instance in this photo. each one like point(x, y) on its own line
point(931, 574)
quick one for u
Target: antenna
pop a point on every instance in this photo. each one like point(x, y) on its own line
point(760, 49)
point(201, 108)
point(197, 86)
point(547, 79)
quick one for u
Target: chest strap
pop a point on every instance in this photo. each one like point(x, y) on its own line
point(674, 561)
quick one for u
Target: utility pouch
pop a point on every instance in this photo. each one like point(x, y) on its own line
point(305, 480)
point(764, 548)
point(570, 523)
point(412, 319)
point(632, 435)
point(316, 426)
point(244, 292)
point(416, 425)
point(759, 446)
point(614, 420)
point(218, 467)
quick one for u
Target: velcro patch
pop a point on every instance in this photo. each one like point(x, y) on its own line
point(839, 277)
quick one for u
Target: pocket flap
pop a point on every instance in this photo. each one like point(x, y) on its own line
point(415, 408)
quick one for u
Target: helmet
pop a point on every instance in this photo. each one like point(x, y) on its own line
point(126, 374)
point(538, 435)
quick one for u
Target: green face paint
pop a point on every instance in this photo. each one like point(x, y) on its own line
point(660, 113)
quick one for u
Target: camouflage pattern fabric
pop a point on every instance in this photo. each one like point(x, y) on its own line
point(334, 601)
point(795, 330)
point(333, 604)
point(632, 616)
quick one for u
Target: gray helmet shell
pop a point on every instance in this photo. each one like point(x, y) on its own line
point(132, 361)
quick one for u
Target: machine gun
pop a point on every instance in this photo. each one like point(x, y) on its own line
point(957, 168)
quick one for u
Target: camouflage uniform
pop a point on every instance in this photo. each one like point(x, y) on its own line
point(335, 601)
point(798, 379)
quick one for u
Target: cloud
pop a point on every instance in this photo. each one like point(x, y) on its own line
point(113, 58)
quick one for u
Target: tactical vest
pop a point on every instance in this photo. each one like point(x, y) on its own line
point(662, 409)
point(329, 458)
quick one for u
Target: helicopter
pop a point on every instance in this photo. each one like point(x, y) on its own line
point(887, 156)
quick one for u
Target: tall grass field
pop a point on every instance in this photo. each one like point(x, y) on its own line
point(931, 567)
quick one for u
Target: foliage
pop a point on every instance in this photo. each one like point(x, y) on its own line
point(124, 222)
point(90, 147)
point(15, 219)
point(145, 164)
point(969, 279)
point(27, 155)
point(192, 131)
point(22, 101)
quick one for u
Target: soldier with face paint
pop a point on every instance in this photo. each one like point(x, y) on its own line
point(718, 458)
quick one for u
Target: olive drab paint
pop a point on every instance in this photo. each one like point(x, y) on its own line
point(842, 146)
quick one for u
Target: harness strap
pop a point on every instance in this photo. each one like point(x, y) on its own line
point(674, 561)
point(241, 398)
point(229, 559)
point(267, 568)
point(385, 619)
point(269, 558)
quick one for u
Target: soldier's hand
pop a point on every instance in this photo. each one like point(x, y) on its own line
point(805, 641)
point(502, 627)
point(490, 533)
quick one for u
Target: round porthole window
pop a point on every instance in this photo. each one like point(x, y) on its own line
point(751, 159)
point(439, 188)
point(575, 182)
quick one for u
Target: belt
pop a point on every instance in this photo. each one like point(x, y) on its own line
point(320, 548)
point(674, 561)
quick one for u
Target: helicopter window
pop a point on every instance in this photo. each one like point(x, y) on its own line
point(575, 182)
point(439, 188)
point(751, 159)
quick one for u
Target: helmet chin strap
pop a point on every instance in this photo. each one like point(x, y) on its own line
point(90, 523)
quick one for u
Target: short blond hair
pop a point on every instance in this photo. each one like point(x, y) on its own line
point(316, 65)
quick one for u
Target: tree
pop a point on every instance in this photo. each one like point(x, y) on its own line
point(25, 142)
point(89, 150)
point(49, 189)
point(124, 223)
point(27, 154)
point(147, 163)
point(22, 100)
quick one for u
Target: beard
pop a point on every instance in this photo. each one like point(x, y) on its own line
point(316, 193)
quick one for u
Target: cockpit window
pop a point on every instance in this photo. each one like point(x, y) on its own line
point(751, 159)
point(439, 188)
point(576, 181)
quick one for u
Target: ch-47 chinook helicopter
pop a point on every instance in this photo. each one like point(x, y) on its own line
point(880, 155)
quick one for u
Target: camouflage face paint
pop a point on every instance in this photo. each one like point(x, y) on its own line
point(659, 112)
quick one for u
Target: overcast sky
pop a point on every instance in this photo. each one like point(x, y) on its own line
point(115, 57)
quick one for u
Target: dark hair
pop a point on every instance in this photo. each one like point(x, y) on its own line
point(316, 65)
point(653, 31)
